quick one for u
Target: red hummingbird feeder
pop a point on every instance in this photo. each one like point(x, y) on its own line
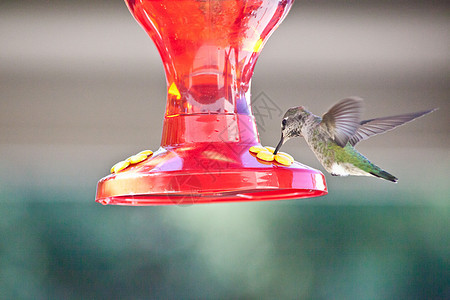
point(209, 49)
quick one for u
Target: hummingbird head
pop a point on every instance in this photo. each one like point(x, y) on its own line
point(292, 124)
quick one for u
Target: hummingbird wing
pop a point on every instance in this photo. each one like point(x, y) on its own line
point(376, 126)
point(343, 119)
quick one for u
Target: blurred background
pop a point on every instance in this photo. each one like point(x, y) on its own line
point(82, 86)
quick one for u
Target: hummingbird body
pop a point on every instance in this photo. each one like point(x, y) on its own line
point(332, 137)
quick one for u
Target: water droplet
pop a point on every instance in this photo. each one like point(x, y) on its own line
point(105, 201)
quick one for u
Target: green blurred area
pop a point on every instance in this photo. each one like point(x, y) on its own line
point(273, 250)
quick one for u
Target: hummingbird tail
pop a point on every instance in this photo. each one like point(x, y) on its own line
point(385, 175)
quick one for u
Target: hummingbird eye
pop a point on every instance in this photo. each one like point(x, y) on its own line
point(283, 123)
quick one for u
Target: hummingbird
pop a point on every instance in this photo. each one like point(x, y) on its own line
point(333, 136)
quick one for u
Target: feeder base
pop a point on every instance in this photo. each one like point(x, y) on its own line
point(208, 173)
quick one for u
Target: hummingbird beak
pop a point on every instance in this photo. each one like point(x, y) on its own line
point(279, 144)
